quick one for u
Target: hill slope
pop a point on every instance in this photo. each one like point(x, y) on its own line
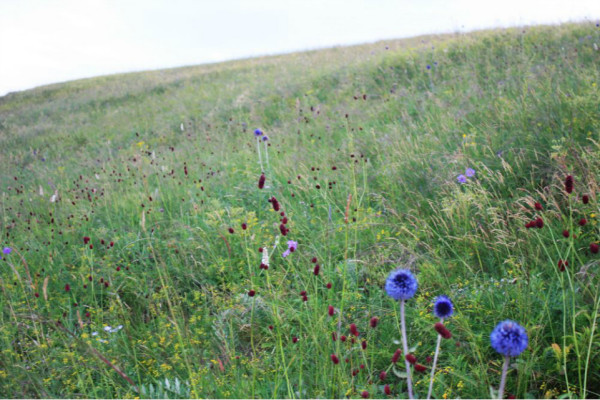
point(132, 201)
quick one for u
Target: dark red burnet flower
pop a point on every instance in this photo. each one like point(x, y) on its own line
point(411, 358)
point(335, 359)
point(231, 230)
point(565, 233)
point(569, 184)
point(353, 330)
point(316, 270)
point(343, 338)
point(86, 239)
point(382, 376)
point(539, 223)
point(396, 356)
point(244, 226)
point(594, 248)
point(294, 339)
point(283, 229)
point(363, 344)
point(373, 322)
point(333, 336)
point(314, 260)
point(330, 311)
point(562, 264)
point(251, 293)
point(274, 203)
point(387, 390)
point(261, 181)
point(420, 368)
point(67, 287)
point(364, 394)
point(442, 330)
point(538, 206)
point(582, 222)
point(328, 286)
point(585, 199)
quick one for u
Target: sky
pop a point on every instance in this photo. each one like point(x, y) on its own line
point(49, 41)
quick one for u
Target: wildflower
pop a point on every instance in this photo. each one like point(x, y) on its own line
point(244, 226)
point(374, 322)
point(86, 239)
point(330, 311)
point(363, 344)
point(265, 138)
point(594, 248)
point(294, 339)
point(428, 66)
point(411, 358)
point(420, 368)
point(569, 184)
point(538, 206)
point(387, 390)
point(261, 181)
point(396, 356)
point(292, 245)
point(565, 233)
point(582, 222)
point(509, 338)
point(585, 199)
point(382, 375)
point(353, 330)
point(274, 203)
point(470, 172)
point(283, 230)
point(443, 307)
point(539, 223)
point(442, 330)
point(258, 132)
point(314, 260)
point(401, 284)
point(461, 178)
point(6, 250)
point(316, 270)
point(328, 286)
point(333, 336)
point(364, 394)
point(562, 264)
point(251, 293)
point(335, 359)
point(67, 287)
point(343, 338)
point(230, 230)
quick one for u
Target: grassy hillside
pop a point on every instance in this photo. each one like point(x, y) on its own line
point(132, 222)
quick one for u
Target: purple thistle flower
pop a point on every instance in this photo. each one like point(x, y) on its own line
point(401, 284)
point(258, 132)
point(6, 250)
point(443, 307)
point(265, 138)
point(292, 246)
point(509, 338)
point(461, 178)
point(470, 172)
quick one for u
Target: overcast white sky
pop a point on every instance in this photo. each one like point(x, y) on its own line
point(44, 41)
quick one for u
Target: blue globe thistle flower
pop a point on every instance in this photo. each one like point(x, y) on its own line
point(443, 307)
point(509, 338)
point(265, 138)
point(258, 132)
point(401, 284)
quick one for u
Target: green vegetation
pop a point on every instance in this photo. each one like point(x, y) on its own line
point(365, 147)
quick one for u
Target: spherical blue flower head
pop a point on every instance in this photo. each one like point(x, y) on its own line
point(443, 307)
point(401, 284)
point(265, 138)
point(509, 338)
point(258, 132)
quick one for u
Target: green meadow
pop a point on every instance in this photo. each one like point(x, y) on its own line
point(142, 260)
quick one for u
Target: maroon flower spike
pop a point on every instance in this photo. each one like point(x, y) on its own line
point(582, 222)
point(565, 233)
point(330, 311)
point(585, 198)
point(420, 368)
point(374, 322)
point(314, 260)
point(294, 339)
point(594, 248)
point(230, 230)
point(387, 390)
point(442, 330)
point(283, 229)
point(244, 226)
point(335, 359)
point(274, 203)
point(251, 293)
point(353, 330)
point(364, 394)
point(569, 184)
point(67, 287)
point(411, 359)
point(382, 375)
point(364, 345)
point(562, 265)
point(86, 239)
point(343, 338)
point(328, 286)
point(396, 356)
point(428, 359)
point(261, 181)
point(333, 336)
point(538, 206)
point(530, 224)
point(539, 223)
point(316, 270)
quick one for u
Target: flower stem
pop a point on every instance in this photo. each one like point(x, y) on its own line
point(259, 156)
point(405, 346)
point(503, 379)
point(435, 358)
